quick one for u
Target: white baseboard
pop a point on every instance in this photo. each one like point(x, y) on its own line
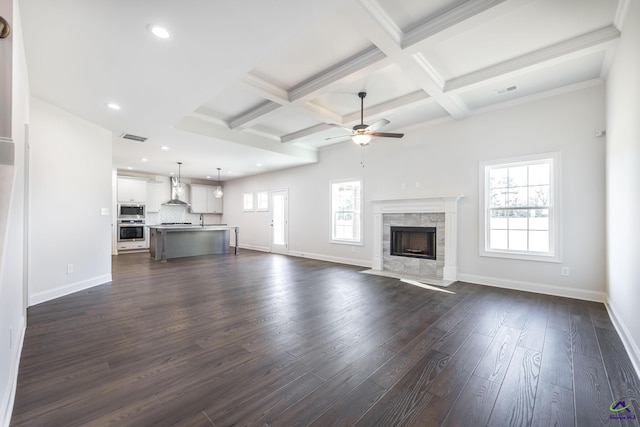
point(254, 248)
point(68, 289)
point(623, 331)
point(329, 258)
point(9, 395)
point(539, 288)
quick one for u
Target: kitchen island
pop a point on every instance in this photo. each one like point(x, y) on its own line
point(177, 241)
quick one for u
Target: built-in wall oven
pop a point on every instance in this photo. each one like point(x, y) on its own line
point(131, 211)
point(131, 230)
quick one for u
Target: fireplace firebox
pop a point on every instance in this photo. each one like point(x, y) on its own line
point(414, 242)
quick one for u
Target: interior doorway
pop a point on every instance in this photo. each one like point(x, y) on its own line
point(280, 221)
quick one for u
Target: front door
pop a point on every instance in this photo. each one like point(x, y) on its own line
point(280, 221)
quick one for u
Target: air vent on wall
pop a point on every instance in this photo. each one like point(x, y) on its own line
point(133, 137)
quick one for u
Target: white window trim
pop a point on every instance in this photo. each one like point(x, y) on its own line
point(244, 207)
point(342, 241)
point(555, 224)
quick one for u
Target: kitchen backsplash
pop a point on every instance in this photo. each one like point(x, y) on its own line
point(178, 214)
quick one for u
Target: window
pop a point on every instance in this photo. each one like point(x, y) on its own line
point(520, 208)
point(346, 202)
point(263, 200)
point(247, 204)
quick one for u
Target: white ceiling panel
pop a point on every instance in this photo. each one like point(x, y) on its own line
point(285, 121)
point(381, 85)
point(578, 70)
point(536, 25)
point(234, 100)
point(319, 48)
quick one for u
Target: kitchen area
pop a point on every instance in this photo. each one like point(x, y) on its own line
point(169, 217)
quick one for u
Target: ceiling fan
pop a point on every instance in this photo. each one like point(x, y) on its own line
point(361, 134)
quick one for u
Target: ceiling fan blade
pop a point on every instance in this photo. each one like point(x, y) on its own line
point(340, 126)
point(377, 125)
point(387, 134)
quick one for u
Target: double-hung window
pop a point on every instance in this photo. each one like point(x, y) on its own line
point(520, 208)
point(346, 213)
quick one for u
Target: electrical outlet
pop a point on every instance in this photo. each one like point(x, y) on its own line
point(69, 268)
point(564, 271)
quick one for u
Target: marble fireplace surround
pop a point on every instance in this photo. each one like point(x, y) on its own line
point(448, 205)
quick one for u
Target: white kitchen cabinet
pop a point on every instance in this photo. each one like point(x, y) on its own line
point(132, 190)
point(203, 199)
point(153, 196)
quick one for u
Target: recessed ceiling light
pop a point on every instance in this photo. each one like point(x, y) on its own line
point(208, 176)
point(159, 31)
point(113, 106)
point(171, 173)
point(164, 147)
point(144, 160)
point(229, 172)
point(258, 164)
point(129, 167)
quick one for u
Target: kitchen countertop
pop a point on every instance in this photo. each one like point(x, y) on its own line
point(192, 227)
point(181, 240)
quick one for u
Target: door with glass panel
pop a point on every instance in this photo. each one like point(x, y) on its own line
point(280, 221)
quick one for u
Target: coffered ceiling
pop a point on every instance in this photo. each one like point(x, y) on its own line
point(242, 83)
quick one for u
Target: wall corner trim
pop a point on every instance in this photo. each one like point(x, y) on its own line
point(9, 395)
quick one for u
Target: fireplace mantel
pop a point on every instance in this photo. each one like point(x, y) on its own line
point(420, 204)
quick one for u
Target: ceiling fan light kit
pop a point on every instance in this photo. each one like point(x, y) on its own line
point(361, 134)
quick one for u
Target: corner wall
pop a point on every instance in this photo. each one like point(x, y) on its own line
point(13, 251)
point(623, 185)
point(70, 184)
point(444, 159)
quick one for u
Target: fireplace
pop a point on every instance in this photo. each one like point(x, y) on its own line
point(439, 212)
point(413, 242)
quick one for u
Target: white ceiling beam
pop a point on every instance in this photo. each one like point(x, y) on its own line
point(266, 89)
point(252, 116)
point(206, 128)
point(377, 25)
point(421, 72)
point(294, 136)
point(383, 108)
point(447, 20)
point(583, 44)
point(355, 64)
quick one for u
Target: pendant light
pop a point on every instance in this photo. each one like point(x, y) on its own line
point(218, 193)
point(179, 189)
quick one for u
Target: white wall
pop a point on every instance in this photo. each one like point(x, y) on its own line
point(623, 184)
point(70, 184)
point(12, 278)
point(443, 160)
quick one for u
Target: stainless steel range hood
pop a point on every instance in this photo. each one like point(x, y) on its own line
point(176, 185)
point(175, 201)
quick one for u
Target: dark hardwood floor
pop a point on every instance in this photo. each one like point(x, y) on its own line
point(269, 340)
